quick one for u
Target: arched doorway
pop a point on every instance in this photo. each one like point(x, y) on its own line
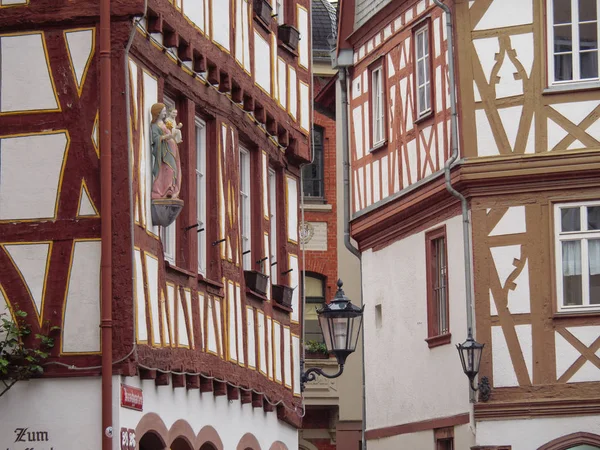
point(181, 443)
point(575, 441)
point(151, 441)
point(208, 446)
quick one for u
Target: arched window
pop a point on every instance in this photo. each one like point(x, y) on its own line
point(575, 441)
point(314, 289)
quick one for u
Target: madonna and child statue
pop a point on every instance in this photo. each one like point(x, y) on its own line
point(166, 165)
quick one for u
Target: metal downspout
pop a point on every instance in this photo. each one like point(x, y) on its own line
point(447, 167)
point(106, 222)
point(343, 71)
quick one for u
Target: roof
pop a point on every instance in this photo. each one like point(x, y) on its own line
point(324, 28)
point(365, 9)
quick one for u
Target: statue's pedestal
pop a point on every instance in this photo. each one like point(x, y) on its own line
point(165, 210)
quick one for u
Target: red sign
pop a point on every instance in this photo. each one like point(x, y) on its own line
point(131, 397)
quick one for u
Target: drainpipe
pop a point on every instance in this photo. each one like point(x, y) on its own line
point(343, 71)
point(106, 225)
point(343, 74)
point(447, 166)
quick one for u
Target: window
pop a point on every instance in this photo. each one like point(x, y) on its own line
point(377, 107)
point(438, 326)
point(573, 40)
point(201, 193)
point(422, 71)
point(273, 223)
point(244, 213)
point(314, 290)
point(577, 255)
point(312, 174)
point(279, 4)
point(167, 234)
point(444, 438)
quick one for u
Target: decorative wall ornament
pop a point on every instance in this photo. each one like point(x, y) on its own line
point(307, 231)
point(166, 166)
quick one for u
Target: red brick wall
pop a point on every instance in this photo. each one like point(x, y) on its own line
point(325, 262)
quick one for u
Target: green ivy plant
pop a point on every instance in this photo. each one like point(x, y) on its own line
point(316, 347)
point(18, 359)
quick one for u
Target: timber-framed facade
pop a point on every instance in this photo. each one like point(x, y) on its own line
point(528, 141)
point(216, 362)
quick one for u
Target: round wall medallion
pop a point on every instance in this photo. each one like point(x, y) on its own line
point(306, 232)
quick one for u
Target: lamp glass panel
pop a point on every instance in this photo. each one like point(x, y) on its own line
point(327, 330)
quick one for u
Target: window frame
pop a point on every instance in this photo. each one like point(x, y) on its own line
point(272, 186)
point(582, 235)
point(575, 48)
point(436, 338)
point(245, 207)
point(378, 66)
point(443, 435)
point(316, 300)
point(320, 168)
point(200, 172)
point(423, 27)
point(168, 234)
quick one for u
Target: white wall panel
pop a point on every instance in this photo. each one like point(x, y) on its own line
point(31, 170)
point(140, 300)
point(305, 106)
point(296, 364)
point(294, 283)
point(287, 357)
point(240, 324)
point(292, 208)
point(262, 59)
point(195, 11)
point(251, 337)
point(262, 349)
point(278, 369)
point(152, 280)
point(81, 327)
point(293, 92)
point(80, 45)
point(232, 347)
point(220, 23)
point(32, 261)
point(282, 81)
point(27, 83)
point(303, 56)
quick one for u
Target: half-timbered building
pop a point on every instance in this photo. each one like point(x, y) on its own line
point(205, 354)
point(526, 140)
point(333, 417)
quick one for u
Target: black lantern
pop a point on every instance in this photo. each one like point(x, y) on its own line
point(470, 357)
point(340, 323)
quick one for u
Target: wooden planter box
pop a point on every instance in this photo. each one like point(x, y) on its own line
point(289, 36)
point(282, 294)
point(263, 11)
point(256, 281)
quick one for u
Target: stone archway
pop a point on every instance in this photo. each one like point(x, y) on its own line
point(574, 441)
point(151, 441)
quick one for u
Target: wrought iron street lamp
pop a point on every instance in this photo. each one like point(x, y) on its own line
point(340, 322)
point(470, 357)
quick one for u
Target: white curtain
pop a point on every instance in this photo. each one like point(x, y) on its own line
point(571, 258)
point(594, 256)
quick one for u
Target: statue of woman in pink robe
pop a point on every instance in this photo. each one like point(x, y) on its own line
point(166, 167)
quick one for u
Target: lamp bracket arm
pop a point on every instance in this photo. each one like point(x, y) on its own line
point(311, 374)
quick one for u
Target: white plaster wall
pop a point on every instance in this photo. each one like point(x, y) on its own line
point(231, 420)
point(304, 36)
point(532, 433)
point(30, 175)
point(282, 81)
point(80, 44)
point(220, 24)
point(68, 409)
point(424, 440)
point(395, 278)
point(194, 10)
point(293, 93)
point(81, 328)
point(294, 282)
point(305, 106)
point(262, 66)
point(27, 83)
